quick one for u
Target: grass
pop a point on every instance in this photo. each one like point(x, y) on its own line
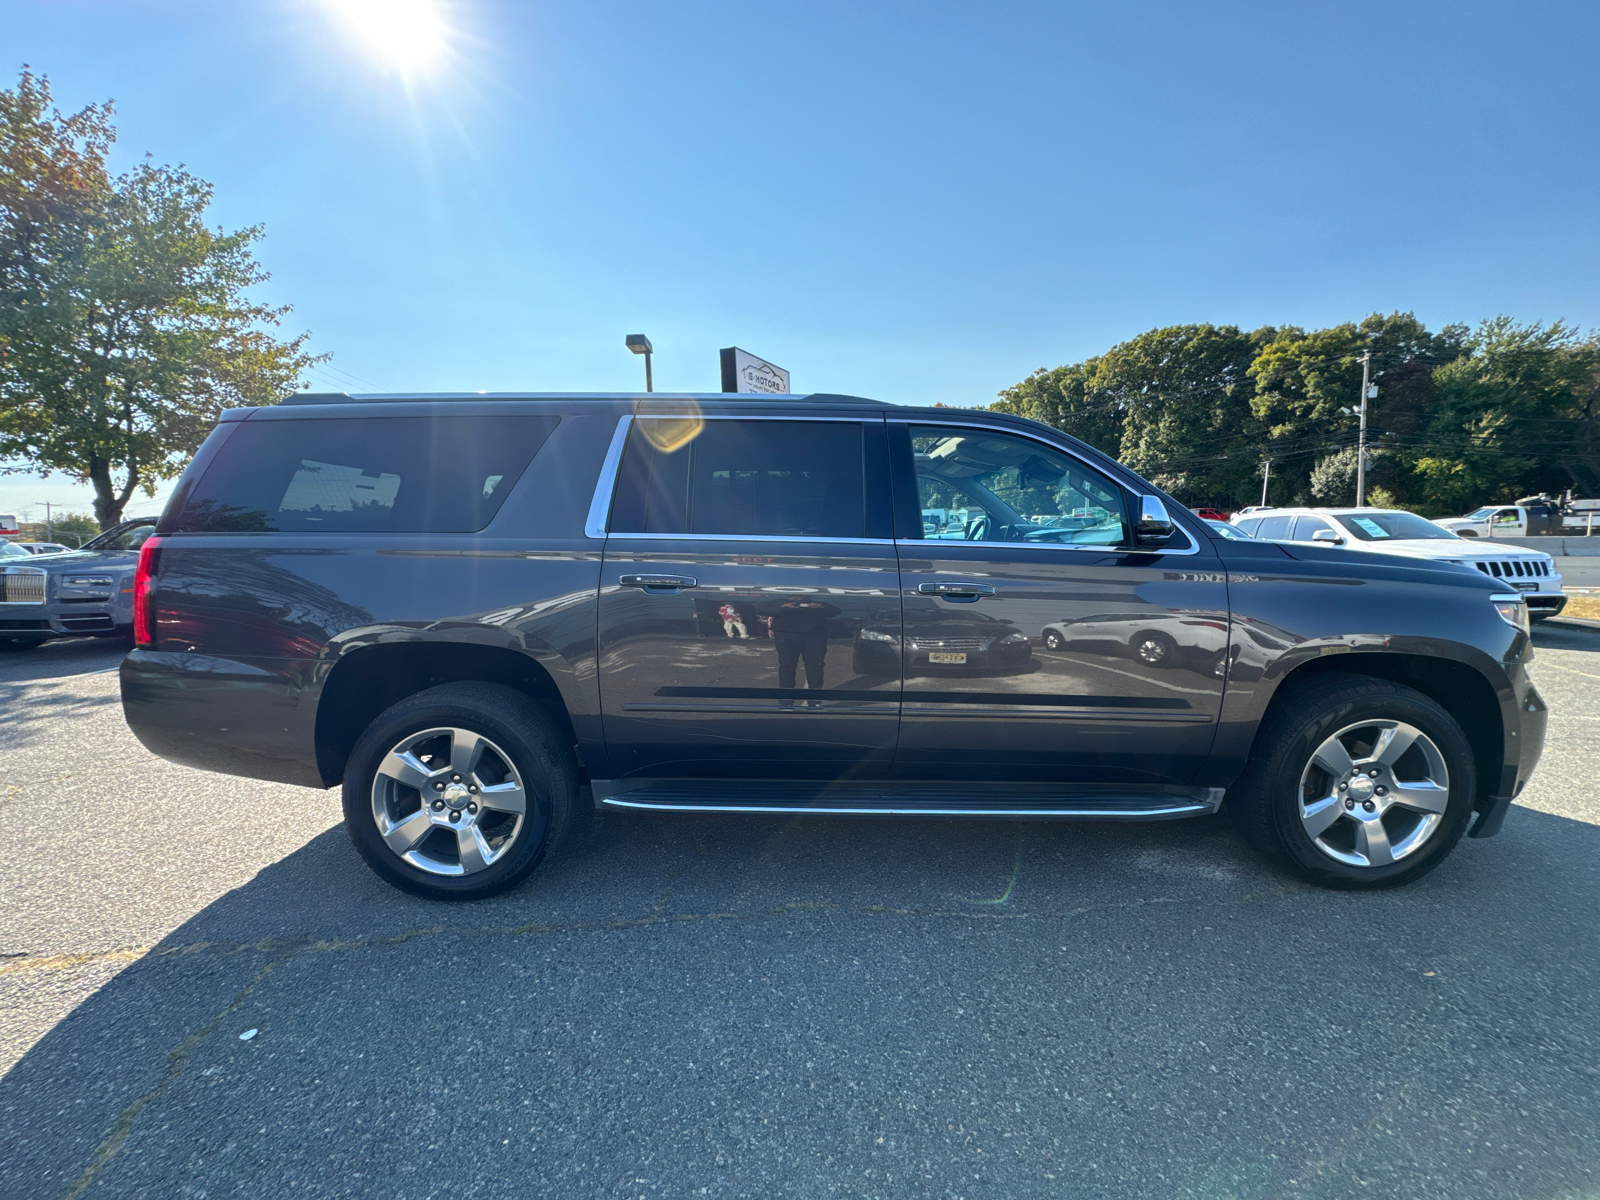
point(1582, 606)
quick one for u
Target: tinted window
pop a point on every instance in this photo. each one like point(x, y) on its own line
point(351, 475)
point(978, 485)
point(1249, 525)
point(1304, 527)
point(1273, 529)
point(752, 478)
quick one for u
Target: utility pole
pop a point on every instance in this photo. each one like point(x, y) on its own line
point(1361, 440)
point(49, 529)
point(1266, 474)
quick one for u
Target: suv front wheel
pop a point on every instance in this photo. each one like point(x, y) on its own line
point(460, 791)
point(1356, 783)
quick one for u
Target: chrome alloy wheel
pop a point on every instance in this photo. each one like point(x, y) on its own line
point(1374, 793)
point(448, 801)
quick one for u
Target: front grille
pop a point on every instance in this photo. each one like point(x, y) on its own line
point(1512, 568)
point(22, 585)
point(968, 644)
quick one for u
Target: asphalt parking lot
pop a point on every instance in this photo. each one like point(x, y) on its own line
point(750, 1007)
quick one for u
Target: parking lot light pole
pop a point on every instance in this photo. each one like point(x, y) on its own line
point(639, 344)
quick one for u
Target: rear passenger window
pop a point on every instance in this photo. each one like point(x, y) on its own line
point(1273, 529)
point(354, 475)
point(749, 478)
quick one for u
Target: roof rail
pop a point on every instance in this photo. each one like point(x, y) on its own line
point(426, 397)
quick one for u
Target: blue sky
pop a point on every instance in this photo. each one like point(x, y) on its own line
point(914, 202)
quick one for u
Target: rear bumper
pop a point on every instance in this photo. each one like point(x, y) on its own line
point(234, 716)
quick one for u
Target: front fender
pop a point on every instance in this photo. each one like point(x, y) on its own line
point(1380, 615)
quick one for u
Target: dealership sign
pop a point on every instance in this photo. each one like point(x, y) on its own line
point(744, 372)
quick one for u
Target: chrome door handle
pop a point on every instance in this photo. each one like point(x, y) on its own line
point(660, 585)
point(956, 593)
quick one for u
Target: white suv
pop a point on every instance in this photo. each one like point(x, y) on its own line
point(1390, 531)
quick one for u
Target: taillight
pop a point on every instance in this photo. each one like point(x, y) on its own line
point(144, 612)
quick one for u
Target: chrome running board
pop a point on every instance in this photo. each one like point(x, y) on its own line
point(916, 799)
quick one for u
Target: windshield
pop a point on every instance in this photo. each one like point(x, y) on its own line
point(122, 539)
point(1231, 532)
point(1393, 526)
point(12, 550)
point(1479, 514)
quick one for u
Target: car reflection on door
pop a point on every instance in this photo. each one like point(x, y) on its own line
point(1197, 643)
point(947, 641)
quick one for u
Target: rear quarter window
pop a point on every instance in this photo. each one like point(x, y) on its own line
point(363, 475)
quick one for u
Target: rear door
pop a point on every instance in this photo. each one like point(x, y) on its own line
point(1038, 643)
point(749, 600)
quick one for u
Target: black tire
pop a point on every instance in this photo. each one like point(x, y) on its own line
point(1264, 804)
point(531, 743)
point(1052, 640)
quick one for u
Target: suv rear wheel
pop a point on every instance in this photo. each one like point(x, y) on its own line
point(460, 791)
point(1356, 783)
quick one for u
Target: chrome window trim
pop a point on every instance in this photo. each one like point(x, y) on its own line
point(605, 487)
point(1193, 548)
point(600, 506)
point(750, 537)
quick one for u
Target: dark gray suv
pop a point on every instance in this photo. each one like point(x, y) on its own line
point(476, 612)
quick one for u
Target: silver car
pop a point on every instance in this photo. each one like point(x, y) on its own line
point(72, 594)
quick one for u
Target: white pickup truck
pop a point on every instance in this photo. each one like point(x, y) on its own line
point(1532, 516)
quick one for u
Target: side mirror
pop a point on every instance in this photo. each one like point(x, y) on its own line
point(1154, 526)
point(1327, 535)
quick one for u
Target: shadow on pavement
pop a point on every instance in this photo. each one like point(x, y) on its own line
point(60, 659)
point(790, 1007)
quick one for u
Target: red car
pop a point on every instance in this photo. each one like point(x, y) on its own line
point(1211, 514)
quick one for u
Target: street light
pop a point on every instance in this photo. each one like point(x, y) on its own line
point(639, 344)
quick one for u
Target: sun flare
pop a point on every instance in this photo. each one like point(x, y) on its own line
point(408, 37)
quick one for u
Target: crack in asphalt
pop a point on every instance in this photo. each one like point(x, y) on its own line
point(178, 1058)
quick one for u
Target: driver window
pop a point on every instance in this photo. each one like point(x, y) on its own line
point(979, 485)
point(1304, 527)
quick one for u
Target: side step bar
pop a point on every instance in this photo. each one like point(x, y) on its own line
point(849, 799)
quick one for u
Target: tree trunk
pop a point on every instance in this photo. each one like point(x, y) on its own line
point(108, 502)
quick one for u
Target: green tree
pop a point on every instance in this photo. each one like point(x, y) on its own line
point(1303, 378)
point(1063, 397)
point(1515, 415)
point(1185, 392)
point(124, 323)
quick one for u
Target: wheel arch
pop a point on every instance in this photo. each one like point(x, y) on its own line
point(1456, 687)
point(369, 679)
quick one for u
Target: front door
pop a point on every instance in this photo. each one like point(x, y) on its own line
point(749, 602)
point(1038, 642)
